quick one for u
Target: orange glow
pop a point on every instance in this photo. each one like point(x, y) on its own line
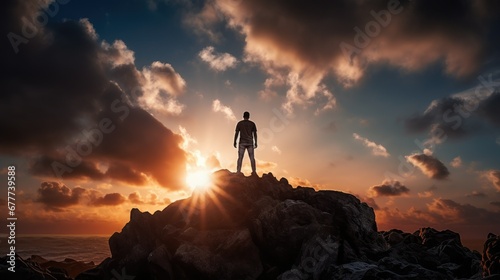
point(198, 180)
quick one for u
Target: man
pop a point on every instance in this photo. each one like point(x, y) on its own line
point(248, 132)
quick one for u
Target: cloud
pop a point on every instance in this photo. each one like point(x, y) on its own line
point(265, 165)
point(429, 165)
point(80, 105)
point(217, 61)
point(464, 218)
point(310, 41)
point(135, 198)
point(494, 177)
point(370, 201)
point(110, 199)
point(377, 149)
point(153, 199)
point(476, 194)
point(495, 203)
point(56, 196)
point(162, 85)
point(217, 106)
point(458, 115)
point(456, 162)
point(213, 162)
point(389, 188)
point(303, 92)
point(276, 150)
point(498, 140)
point(296, 181)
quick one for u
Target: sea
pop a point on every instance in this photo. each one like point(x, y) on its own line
point(84, 248)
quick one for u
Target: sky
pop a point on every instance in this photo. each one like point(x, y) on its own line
point(110, 105)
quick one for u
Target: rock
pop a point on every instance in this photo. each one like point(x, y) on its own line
point(262, 228)
point(37, 267)
point(491, 256)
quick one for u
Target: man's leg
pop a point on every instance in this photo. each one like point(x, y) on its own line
point(252, 159)
point(241, 152)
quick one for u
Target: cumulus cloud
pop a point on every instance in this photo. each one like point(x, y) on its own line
point(456, 162)
point(389, 188)
point(377, 149)
point(429, 165)
point(310, 41)
point(80, 105)
point(494, 177)
point(217, 61)
point(162, 85)
point(110, 199)
point(217, 106)
point(458, 115)
point(56, 196)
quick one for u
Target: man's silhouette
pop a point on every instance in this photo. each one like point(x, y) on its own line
point(248, 132)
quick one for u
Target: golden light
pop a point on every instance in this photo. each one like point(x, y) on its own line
point(199, 180)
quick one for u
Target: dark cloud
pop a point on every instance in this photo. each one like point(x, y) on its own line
point(307, 42)
point(458, 115)
point(56, 196)
point(110, 199)
point(495, 203)
point(389, 188)
point(429, 165)
point(77, 105)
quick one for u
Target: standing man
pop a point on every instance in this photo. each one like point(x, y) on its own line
point(248, 132)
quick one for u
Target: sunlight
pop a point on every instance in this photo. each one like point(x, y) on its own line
point(199, 180)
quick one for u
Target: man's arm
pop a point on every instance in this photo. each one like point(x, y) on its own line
point(235, 137)
point(255, 137)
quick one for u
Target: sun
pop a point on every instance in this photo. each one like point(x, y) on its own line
point(199, 180)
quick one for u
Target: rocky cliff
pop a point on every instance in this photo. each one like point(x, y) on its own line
point(262, 228)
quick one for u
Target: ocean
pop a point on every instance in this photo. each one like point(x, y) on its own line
point(59, 247)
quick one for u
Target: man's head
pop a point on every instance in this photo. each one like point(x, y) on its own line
point(246, 115)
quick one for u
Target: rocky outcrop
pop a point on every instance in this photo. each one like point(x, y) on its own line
point(262, 228)
point(491, 256)
point(38, 268)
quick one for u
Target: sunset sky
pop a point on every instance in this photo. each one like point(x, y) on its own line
point(110, 105)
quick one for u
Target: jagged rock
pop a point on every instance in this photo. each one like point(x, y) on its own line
point(37, 267)
point(262, 228)
point(491, 256)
